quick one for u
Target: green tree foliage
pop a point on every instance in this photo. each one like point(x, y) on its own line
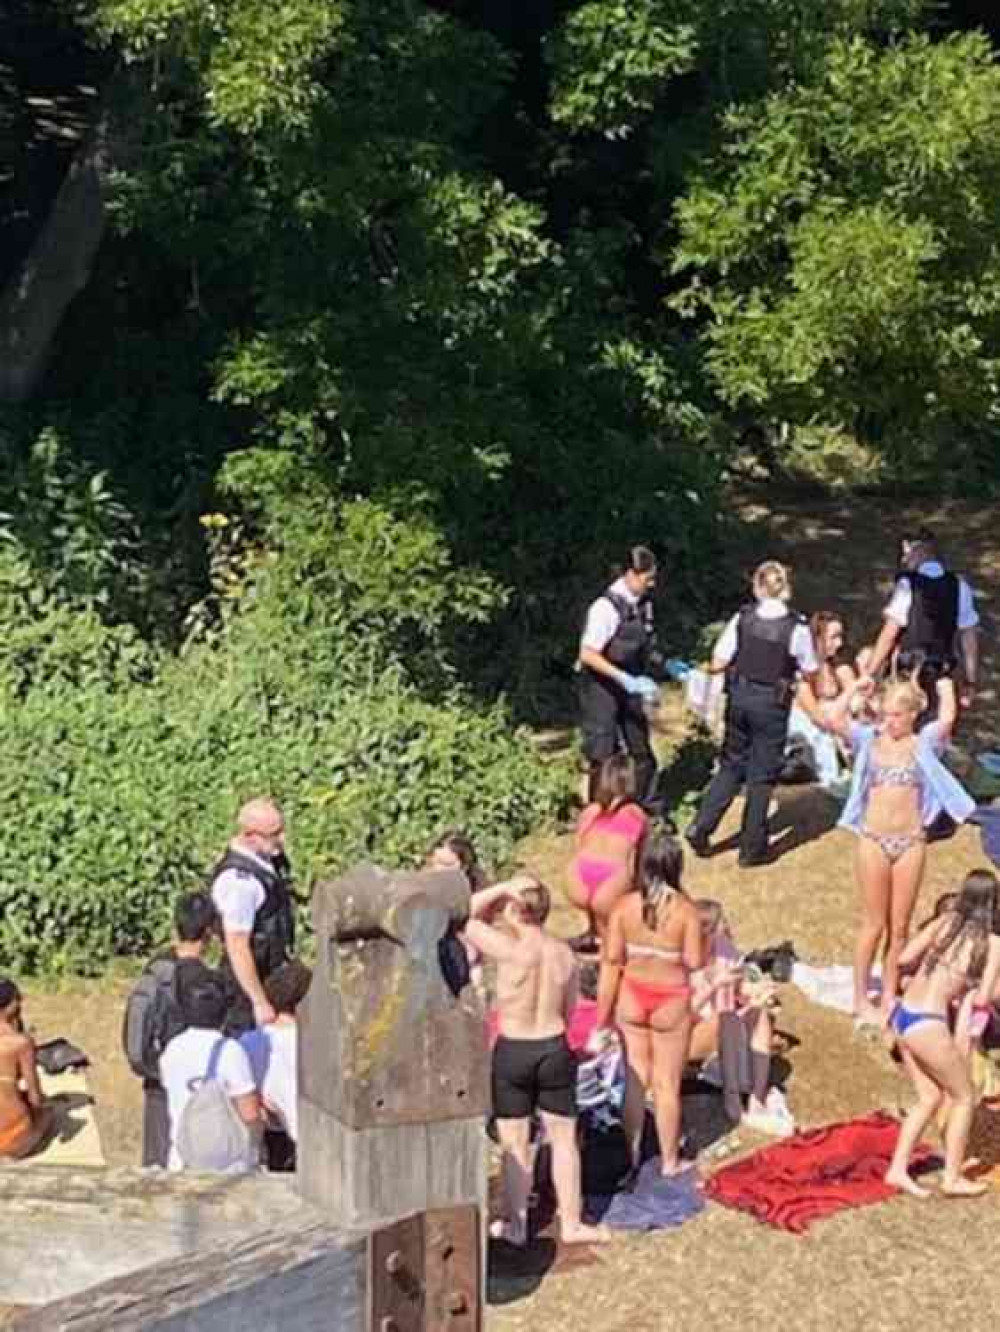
point(409, 316)
point(844, 247)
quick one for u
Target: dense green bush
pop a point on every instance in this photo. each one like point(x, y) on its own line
point(114, 800)
point(314, 668)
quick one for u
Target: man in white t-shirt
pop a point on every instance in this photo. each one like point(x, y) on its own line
point(201, 1048)
point(615, 654)
point(273, 1055)
point(251, 890)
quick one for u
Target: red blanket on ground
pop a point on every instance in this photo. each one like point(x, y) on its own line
point(814, 1174)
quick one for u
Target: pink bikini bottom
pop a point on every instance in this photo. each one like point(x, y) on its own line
point(594, 872)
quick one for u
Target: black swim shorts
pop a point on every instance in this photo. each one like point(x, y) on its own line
point(530, 1075)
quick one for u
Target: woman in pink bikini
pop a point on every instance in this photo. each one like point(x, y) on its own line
point(654, 943)
point(607, 838)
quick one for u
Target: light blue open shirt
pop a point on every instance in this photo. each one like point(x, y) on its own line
point(939, 789)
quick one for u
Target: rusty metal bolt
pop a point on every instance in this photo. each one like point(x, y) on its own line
point(456, 1303)
point(389, 1325)
point(394, 1262)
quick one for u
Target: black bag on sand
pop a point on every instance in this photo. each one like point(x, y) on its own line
point(59, 1055)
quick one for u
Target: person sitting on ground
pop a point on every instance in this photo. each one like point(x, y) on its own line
point(533, 1069)
point(954, 953)
point(209, 1137)
point(734, 1022)
point(832, 679)
point(26, 1122)
point(607, 837)
point(899, 787)
point(152, 1017)
point(273, 1055)
point(654, 943)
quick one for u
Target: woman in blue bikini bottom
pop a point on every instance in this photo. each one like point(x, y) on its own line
point(952, 954)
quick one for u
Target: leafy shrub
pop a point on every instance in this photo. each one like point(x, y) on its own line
point(306, 673)
point(121, 798)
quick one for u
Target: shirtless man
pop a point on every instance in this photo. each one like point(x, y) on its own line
point(533, 1068)
point(25, 1120)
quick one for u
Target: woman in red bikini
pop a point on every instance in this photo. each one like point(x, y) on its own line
point(607, 838)
point(654, 943)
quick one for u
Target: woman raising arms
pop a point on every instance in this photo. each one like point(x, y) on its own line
point(654, 943)
point(899, 787)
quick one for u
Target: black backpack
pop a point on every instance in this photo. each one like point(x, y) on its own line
point(152, 1018)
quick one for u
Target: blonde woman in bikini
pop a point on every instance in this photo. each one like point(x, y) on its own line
point(25, 1121)
point(955, 954)
point(654, 943)
point(899, 787)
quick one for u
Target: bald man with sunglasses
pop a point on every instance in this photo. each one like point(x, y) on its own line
point(251, 889)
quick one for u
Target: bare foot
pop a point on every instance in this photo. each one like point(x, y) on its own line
point(963, 1188)
point(670, 1168)
point(581, 1234)
point(510, 1232)
point(899, 1179)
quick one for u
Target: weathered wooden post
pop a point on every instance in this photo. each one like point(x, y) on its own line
point(393, 1092)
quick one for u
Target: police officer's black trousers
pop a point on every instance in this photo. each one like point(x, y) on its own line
point(752, 755)
point(610, 720)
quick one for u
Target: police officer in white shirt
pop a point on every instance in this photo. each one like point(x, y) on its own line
point(931, 609)
point(615, 656)
point(251, 889)
point(763, 649)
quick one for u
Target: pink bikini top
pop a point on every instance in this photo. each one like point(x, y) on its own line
point(627, 821)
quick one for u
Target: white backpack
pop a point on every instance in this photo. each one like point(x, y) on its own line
point(210, 1134)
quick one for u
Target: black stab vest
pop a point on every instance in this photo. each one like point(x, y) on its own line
point(933, 620)
point(764, 647)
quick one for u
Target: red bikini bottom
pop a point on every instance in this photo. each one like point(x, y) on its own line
point(651, 997)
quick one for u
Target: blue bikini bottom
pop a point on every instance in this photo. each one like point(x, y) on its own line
point(903, 1018)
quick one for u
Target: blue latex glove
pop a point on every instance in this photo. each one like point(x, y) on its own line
point(632, 684)
point(646, 687)
point(677, 670)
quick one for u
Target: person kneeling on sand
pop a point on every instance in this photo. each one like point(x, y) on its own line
point(533, 1068)
point(26, 1121)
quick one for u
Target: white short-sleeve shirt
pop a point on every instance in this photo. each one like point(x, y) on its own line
point(901, 601)
point(238, 897)
point(602, 618)
point(800, 645)
point(273, 1055)
point(185, 1062)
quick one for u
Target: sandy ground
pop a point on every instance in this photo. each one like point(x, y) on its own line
point(905, 1263)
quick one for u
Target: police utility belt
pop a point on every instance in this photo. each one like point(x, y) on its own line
point(779, 692)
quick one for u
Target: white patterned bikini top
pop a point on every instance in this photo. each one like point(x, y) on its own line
point(896, 774)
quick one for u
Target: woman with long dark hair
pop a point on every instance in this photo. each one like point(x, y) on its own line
point(607, 839)
point(954, 953)
point(654, 943)
point(834, 678)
